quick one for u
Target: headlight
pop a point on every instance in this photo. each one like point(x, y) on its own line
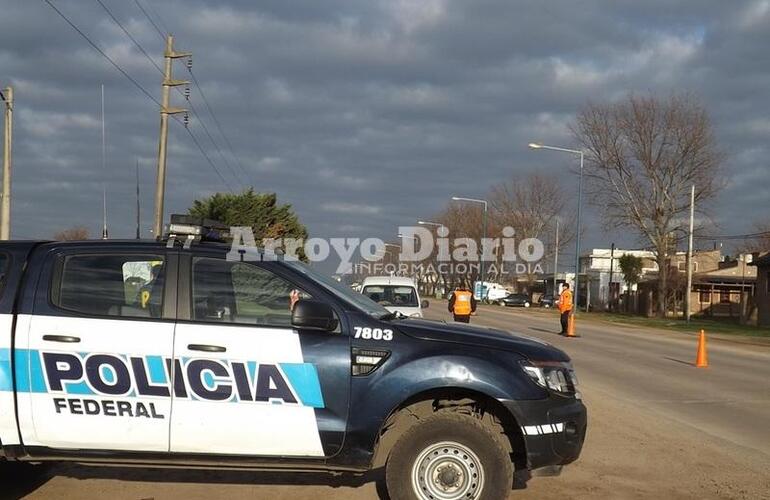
point(553, 375)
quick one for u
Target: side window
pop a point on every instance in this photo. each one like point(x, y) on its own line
point(240, 292)
point(110, 285)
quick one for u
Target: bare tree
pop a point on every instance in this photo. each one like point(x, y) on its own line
point(531, 206)
point(643, 155)
point(759, 242)
point(462, 221)
point(72, 234)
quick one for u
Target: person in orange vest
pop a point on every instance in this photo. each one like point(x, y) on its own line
point(565, 307)
point(462, 304)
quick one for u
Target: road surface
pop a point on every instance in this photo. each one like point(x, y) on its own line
point(658, 428)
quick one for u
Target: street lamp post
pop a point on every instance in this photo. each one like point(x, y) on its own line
point(483, 235)
point(535, 145)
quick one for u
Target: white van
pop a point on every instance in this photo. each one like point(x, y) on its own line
point(396, 293)
point(492, 291)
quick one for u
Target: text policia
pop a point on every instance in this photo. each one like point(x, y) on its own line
point(81, 382)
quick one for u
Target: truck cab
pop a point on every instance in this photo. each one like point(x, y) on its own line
point(191, 354)
point(396, 293)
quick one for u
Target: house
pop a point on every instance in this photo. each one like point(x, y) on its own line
point(598, 265)
point(721, 286)
point(762, 289)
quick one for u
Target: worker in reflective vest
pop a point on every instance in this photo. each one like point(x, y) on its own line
point(565, 307)
point(462, 304)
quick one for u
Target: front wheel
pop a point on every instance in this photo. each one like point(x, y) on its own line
point(449, 456)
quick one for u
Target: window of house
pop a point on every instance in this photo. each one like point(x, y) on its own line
point(724, 296)
point(705, 297)
point(240, 292)
point(682, 267)
point(111, 285)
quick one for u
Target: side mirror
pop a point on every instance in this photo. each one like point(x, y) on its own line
point(425, 304)
point(313, 315)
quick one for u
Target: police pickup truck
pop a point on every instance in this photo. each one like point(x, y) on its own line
point(160, 353)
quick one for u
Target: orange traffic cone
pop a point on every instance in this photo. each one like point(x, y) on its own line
point(702, 359)
point(571, 326)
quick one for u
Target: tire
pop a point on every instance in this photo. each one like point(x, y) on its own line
point(501, 303)
point(474, 460)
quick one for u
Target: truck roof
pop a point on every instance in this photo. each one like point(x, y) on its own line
point(388, 280)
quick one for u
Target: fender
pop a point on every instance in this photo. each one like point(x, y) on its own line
point(483, 371)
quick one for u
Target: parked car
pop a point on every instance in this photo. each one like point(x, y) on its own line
point(546, 301)
point(516, 300)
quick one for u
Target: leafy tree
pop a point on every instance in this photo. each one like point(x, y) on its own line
point(631, 268)
point(261, 211)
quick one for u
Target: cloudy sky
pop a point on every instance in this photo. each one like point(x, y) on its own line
point(364, 115)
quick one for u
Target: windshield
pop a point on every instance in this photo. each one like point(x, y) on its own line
point(358, 300)
point(392, 295)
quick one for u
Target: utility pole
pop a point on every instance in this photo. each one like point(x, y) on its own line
point(5, 210)
point(689, 256)
point(165, 111)
point(609, 286)
point(555, 259)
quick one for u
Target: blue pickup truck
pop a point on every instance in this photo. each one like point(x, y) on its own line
point(157, 353)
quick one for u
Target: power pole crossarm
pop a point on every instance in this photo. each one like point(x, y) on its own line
point(5, 205)
point(165, 111)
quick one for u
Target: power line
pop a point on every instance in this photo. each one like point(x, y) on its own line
point(216, 146)
point(137, 44)
point(750, 236)
point(162, 36)
point(205, 155)
point(216, 122)
point(195, 113)
point(163, 24)
point(100, 51)
point(157, 67)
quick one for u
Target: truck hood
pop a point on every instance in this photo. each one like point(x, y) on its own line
point(481, 336)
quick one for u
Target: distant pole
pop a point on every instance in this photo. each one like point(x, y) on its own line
point(689, 256)
point(577, 239)
point(556, 258)
point(104, 174)
point(609, 286)
point(138, 211)
point(5, 211)
point(165, 110)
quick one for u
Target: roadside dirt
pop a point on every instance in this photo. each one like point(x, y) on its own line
point(629, 453)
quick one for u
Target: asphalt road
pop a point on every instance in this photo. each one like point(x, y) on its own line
point(658, 428)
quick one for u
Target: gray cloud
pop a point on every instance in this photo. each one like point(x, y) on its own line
point(366, 115)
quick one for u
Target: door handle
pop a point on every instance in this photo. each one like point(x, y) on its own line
point(69, 339)
point(206, 348)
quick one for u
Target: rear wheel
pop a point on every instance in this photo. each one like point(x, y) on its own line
point(449, 456)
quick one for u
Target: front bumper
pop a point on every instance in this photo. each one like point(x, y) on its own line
point(553, 429)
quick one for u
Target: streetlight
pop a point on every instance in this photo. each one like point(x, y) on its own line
point(483, 236)
point(535, 145)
